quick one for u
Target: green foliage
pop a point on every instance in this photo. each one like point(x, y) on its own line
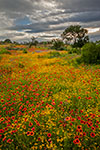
point(98, 52)
point(7, 41)
point(14, 48)
point(74, 50)
point(69, 48)
point(4, 51)
point(25, 51)
point(75, 34)
point(0, 58)
point(79, 60)
point(80, 42)
point(91, 53)
point(58, 45)
point(20, 65)
point(54, 54)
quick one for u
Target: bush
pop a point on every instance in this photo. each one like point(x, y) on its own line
point(24, 51)
point(54, 54)
point(58, 45)
point(20, 65)
point(14, 48)
point(4, 51)
point(74, 50)
point(79, 60)
point(0, 58)
point(91, 53)
point(98, 51)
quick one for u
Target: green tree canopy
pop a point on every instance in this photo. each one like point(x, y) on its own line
point(75, 34)
point(7, 41)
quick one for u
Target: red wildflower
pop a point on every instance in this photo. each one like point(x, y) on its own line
point(79, 118)
point(39, 139)
point(80, 130)
point(33, 129)
point(1, 130)
point(30, 124)
point(13, 117)
point(93, 128)
point(67, 118)
point(31, 133)
point(49, 134)
point(71, 124)
point(76, 136)
point(73, 119)
point(28, 133)
point(61, 102)
point(9, 141)
point(97, 121)
point(79, 97)
point(49, 140)
point(96, 126)
point(89, 124)
point(80, 135)
point(4, 139)
point(76, 141)
point(82, 122)
point(79, 127)
point(92, 134)
point(84, 133)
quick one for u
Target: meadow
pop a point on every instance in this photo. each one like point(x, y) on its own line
point(48, 102)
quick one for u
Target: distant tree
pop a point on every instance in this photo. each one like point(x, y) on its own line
point(97, 42)
point(57, 44)
point(75, 34)
point(7, 41)
point(33, 39)
point(33, 42)
point(91, 53)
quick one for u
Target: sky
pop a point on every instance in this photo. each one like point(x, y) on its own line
point(47, 19)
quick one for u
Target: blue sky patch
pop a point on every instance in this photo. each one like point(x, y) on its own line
point(23, 21)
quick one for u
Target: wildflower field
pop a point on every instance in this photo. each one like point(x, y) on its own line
point(48, 102)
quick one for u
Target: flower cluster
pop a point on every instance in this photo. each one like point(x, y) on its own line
point(48, 103)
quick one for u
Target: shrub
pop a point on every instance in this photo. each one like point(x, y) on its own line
point(0, 58)
point(79, 60)
point(20, 65)
point(14, 48)
point(98, 53)
point(91, 53)
point(4, 51)
point(24, 51)
point(54, 54)
point(58, 45)
point(74, 50)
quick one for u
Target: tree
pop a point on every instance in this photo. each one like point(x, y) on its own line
point(33, 42)
point(76, 35)
point(58, 44)
point(91, 53)
point(7, 41)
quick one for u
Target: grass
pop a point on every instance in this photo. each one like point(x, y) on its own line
point(48, 101)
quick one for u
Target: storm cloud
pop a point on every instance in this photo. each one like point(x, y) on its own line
point(22, 19)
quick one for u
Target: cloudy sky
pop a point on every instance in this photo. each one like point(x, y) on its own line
point(47, 19)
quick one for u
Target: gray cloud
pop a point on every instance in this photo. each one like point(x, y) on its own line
point(45, 16)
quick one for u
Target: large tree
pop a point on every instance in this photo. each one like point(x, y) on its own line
point(75, 34)
point(7, 41)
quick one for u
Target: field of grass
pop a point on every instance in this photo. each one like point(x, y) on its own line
point(48, 102)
